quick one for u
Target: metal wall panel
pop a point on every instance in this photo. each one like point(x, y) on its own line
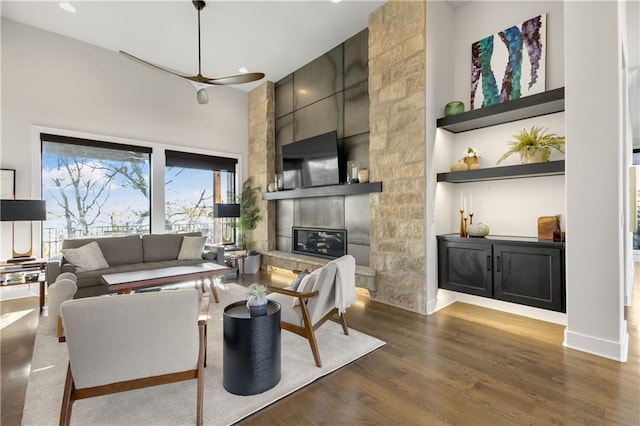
point(356, 109)
point(320, 78)
point(320, 117)
point(284, 96)
point(284, 212)
point(360, 252)
point(356, 59)
point(356, 148)
point(321, 212)
point(357, 217)
point(284, 132)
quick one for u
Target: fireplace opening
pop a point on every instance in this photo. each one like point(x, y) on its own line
point(330, 243)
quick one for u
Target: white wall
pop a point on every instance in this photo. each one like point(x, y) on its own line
point(595, 181)
point(54, 81)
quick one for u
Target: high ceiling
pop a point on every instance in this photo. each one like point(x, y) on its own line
point(274, 37)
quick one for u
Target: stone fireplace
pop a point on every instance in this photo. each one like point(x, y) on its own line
point(329, 243)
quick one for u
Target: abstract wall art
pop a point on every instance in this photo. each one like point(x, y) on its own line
point(510, 64)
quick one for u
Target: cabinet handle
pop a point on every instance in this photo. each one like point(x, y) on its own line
point(488, 263)
point(498, 264)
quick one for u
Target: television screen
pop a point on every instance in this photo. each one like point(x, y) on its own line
point(311, 162)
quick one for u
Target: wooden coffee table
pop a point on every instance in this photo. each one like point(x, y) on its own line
point(124, 282)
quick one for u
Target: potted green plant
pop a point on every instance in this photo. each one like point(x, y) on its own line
point(534, 146)
point(248, 220)
point(257, 299)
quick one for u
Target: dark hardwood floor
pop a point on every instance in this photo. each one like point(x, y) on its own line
point(463, 365)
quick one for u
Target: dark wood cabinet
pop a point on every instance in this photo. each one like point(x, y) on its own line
point(521, 270)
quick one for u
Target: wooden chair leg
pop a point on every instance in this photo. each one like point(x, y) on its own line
point(212, 286)
point(60, 330)
point(343, 321)
point(201, 363)
point(67, 401)
point(309, 334)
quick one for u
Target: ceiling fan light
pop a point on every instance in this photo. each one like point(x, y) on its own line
point(202, 96)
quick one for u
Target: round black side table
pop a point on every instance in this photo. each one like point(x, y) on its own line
point(251, 351)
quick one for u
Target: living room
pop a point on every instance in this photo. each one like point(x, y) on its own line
point(58, 91)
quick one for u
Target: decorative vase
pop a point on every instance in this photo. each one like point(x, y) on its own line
point(363, 176)
point(257, 305)
point(453, 108)
point(538, 156)
point(470, 161)
point(459, 166)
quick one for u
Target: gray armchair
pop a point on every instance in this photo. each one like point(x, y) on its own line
point(120, 343)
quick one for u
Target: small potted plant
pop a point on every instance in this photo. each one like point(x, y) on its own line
point(534, 146)
point(471, 156)
point(257, 299)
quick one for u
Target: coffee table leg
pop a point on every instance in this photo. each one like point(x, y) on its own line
point(213, 288)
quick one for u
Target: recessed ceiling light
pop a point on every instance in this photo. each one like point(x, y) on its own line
point(68, 7)
point(243, 70)
point(336, 1)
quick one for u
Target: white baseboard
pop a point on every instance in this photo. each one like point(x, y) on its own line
point(617, 351)
point(447, 297)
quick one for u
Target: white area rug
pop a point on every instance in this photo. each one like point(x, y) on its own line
point(175, 404)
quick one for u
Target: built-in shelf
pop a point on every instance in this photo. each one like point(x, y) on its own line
point(548, 102)
point(549, 168)
point(324, 191)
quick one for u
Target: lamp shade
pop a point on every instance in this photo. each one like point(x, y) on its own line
point(22, 210)
point(226, 210)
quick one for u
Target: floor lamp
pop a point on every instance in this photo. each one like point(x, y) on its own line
point(226, 211)
point(20, 211)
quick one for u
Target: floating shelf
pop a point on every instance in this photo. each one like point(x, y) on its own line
point(549, 168)
point(324, 191)
point(548, 102)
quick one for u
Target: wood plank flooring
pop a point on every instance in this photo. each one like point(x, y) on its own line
point(464, 365)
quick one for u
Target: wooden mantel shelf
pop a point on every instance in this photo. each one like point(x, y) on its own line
point(324, 191)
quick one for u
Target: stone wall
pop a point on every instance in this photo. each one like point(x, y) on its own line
point(397, 42)
point(261, 162)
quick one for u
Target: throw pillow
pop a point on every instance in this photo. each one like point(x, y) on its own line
point(296, 283)
point(60, 291)
point(86, 258)
point(306, 284)
point(192, 248)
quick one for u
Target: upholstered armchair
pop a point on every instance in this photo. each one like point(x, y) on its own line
point(323, 294)
point(120, 343)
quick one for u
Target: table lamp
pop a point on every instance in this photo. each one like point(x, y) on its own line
point(226, 211)
point(20, 211)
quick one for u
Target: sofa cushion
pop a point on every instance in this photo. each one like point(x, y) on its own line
point(159, 247)
point(191, 248)
point(86, 258)
point(116, 250)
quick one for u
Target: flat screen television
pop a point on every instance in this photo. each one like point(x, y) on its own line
point(311, 162)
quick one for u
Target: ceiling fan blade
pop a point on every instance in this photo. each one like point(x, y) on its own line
point(235, 79)
point(149, 64)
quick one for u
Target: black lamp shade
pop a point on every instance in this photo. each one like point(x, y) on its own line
point(226, 210)
point(22, 210)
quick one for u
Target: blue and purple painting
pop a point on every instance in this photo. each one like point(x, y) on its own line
point(499, 57)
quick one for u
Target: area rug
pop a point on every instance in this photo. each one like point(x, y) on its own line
point(175, 404)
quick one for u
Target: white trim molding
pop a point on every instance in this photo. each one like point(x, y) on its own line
point(617, 351)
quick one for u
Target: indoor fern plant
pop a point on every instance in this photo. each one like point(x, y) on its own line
point(534, 145)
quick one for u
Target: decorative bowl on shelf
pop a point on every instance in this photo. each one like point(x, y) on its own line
point(459, 166)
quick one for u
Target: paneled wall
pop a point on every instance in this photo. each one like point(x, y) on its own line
point(329, 93)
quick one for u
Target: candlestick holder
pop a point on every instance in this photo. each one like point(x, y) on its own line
point(466, 234)
point(463, 224)
point(470, 218)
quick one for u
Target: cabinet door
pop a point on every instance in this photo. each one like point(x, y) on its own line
point(465, 267)
point(529, 275)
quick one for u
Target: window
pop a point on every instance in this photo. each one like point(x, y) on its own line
point(93, 188)
point(193, 184)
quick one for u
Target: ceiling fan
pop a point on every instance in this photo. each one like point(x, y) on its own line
point(199, 81)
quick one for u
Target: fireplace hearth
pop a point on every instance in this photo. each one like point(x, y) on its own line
point(321, 242)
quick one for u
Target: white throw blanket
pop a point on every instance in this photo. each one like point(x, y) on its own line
point(345, 282)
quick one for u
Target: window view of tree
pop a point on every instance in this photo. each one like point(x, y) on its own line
point(93, 191)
